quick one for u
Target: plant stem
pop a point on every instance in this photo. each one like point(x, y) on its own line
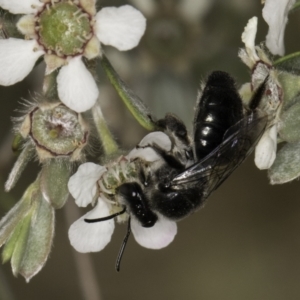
point(130, 99)
point(86, 274)
point(285, 58)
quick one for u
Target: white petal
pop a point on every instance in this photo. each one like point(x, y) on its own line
point(157, 137)
point(275, 13)
point(92, 237)
point(156, 237)
point(21, 6)
point(82, 185)
point(120, 27)
point(76, 86)
point(17, 58)
point(148, 154)
point(248, 38)
point(265, 151)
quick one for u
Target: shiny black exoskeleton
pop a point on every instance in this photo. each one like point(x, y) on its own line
point(225, 133)
point(218, 109)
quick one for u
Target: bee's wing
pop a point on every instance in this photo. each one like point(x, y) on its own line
point(239, 141)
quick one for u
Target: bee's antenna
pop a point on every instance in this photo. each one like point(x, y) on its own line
point(120, 255)
point(106, 218)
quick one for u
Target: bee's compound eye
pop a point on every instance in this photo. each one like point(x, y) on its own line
point(135, 198)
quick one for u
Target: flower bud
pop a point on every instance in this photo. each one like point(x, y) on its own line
point(56, 131)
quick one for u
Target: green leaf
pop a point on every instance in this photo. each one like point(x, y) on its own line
point(15, 244)
point(39, 240)
point(17, 143)
point(28, 230)
point(9, 222)
point(19, 166)
point(287, 164)
point(291, 86)
point(290, 124)
point(131, 100)
point(54, 181)
point(108, 143)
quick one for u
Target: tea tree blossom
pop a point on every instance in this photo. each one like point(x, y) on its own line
point(256, 59)
point(64, 32)
point(94, 184)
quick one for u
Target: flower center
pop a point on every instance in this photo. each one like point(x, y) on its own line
point(63, 28)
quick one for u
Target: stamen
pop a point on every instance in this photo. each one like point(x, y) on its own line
point(58, 51)
point(87, 36)
point(103, 188)
point(80, 39)
point(83, 15)
point(77, 12)
point(78, 50)
point(123, 165)
point(115, 173)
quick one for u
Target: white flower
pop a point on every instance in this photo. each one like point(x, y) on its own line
point(87, 175)
point(275, 13)
point(248, 38)
point(265, 151)
point(262, 73)
point(90, 237)
point(148, 153)
point(120, 27)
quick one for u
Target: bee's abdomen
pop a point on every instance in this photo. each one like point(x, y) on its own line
point(219, 108)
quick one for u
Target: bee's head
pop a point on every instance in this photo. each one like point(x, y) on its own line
point(133, 197)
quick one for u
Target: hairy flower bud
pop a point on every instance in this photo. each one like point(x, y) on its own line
point(56, 131)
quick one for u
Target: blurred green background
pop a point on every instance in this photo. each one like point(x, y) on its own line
point(244, 244)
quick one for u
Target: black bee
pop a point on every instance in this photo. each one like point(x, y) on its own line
point(224, 134)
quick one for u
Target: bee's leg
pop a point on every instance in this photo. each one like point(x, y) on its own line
point(174, 128)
